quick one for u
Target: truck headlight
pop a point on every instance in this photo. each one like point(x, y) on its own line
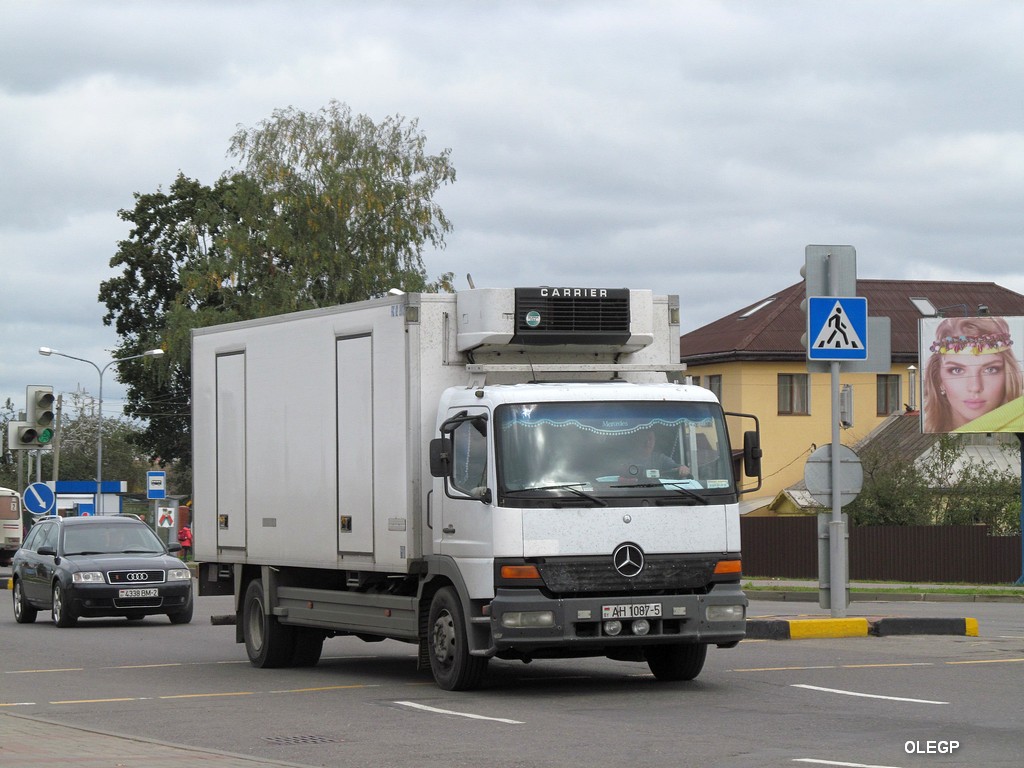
point(724, 613)
point(179, 574)
point(87, 577)
point(527, 619)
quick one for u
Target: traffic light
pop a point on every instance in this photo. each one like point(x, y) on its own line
point(37, 429)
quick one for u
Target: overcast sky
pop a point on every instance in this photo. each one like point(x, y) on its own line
point(690, 147)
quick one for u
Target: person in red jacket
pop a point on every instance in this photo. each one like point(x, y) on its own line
point(185, 539)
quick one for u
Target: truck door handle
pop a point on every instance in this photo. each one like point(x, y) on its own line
point(449, 528)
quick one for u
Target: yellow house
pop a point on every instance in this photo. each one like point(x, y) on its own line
point(754, 360)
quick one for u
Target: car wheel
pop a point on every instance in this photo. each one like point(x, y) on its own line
point(184, 616)
point(24, 613)
point(63, 615)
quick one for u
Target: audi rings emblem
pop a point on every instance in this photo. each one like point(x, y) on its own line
point(628, 560)
point(137, 576)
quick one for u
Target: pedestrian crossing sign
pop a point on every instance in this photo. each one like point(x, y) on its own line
point(837, 328)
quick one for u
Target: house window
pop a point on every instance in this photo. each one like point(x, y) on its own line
point(888, 388)
point(715, 385)
point(793, 393)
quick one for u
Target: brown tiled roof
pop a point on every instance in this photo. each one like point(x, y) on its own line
point(770, 329)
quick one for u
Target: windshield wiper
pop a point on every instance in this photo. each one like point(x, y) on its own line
point(571, 487)
point(674, 486)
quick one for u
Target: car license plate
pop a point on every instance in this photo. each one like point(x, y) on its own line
point(631, 611)
point(149, 592)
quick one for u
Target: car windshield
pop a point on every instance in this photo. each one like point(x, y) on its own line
point(572, 454)
point(107, 539)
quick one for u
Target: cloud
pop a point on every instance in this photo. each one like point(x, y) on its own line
point(691, 147)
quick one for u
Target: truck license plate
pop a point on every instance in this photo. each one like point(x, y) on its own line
point(150, 592)
point(631, 611)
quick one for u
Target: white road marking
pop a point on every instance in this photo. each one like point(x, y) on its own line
point(425, 708)
point(833, 762)
point(867, 696)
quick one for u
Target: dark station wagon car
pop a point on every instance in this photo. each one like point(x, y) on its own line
point(107, 565)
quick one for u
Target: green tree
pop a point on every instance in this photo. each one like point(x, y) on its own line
point(326, 208)
point(894, 491)
point(970, 492)
point(941, 489)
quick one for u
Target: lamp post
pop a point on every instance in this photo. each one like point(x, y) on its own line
point(46, 351)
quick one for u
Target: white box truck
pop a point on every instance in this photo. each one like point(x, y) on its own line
point(498, 473)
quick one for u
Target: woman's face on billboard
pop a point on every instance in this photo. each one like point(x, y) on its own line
point(973, 385)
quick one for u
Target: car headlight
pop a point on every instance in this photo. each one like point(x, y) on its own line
point(179, 574)
point(88, 577)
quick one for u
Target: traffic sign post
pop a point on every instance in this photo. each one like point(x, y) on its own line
point(39, 499)
point(837, 328)
point(156, 485)
point(837, 332)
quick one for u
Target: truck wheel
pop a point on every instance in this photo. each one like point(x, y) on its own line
point(63, 616)
point(268, 642)
point(453, 667)
point(671, 663)
point(24, 613)
point(309, 644)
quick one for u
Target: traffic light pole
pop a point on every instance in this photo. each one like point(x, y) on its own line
point(46, 351)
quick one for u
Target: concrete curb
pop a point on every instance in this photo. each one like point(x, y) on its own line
point(788, 596)
point(818, 629)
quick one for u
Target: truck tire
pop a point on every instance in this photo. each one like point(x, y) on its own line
point(268, 642)
point(24, 613)
point(63, 615)
point(309, 644)
point(671, 663)
point(453, 667)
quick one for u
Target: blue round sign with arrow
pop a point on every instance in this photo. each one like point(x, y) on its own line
point(39, 499)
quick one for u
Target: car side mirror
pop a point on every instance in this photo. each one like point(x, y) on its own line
point(46, 551)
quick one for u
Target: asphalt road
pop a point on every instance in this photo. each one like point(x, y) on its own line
point(889, 701)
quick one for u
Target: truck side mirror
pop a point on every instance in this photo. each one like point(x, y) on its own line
point(441, 457)
point(752, 454)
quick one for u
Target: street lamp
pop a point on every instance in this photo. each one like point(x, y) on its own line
point(46, 351)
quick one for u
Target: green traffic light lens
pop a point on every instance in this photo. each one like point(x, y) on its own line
point(45, 436)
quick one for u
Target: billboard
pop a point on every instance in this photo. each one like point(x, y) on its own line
point(972, 369)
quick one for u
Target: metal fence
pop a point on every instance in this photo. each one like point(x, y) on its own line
point(787, 547)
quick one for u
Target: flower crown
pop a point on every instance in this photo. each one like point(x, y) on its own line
point(986, 344)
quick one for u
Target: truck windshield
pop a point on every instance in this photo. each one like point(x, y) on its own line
point(597, 453)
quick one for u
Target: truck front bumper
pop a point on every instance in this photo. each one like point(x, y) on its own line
point(526, 623)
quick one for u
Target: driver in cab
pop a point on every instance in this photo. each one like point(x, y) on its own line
point(649, 463)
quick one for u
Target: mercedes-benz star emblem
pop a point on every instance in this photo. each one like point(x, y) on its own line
point(628, 560)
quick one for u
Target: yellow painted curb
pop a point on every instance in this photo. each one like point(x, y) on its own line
point(807, 629)
point(971, 627)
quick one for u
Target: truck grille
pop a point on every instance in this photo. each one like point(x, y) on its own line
point(581, 575)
